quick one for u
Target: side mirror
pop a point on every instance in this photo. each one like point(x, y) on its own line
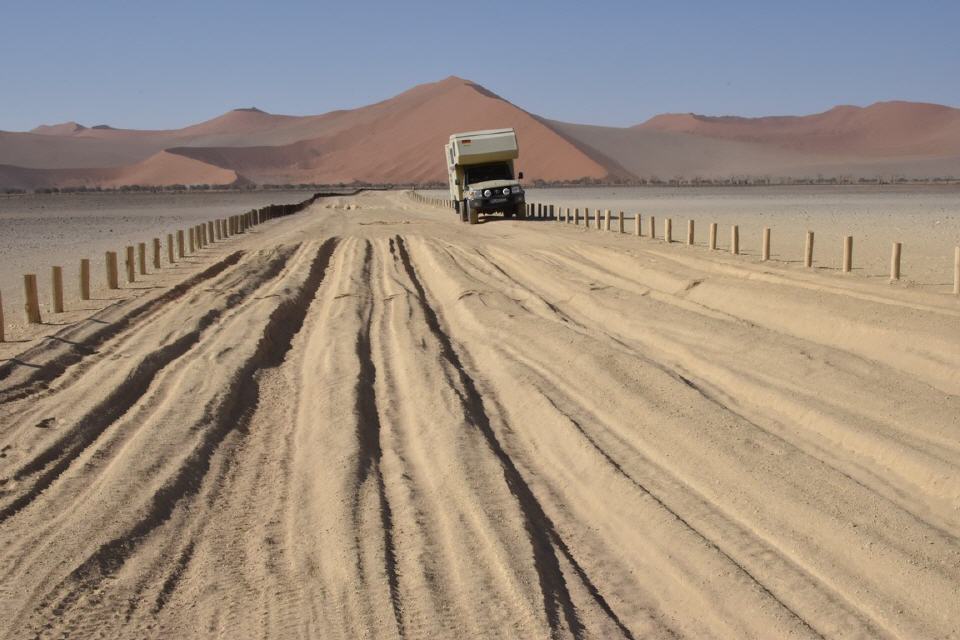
point(520, 176)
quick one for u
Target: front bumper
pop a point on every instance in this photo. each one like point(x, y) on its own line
point(498, 202)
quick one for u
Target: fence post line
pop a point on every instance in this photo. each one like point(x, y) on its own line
point(808, 250)
point(56, 277)
point(179, 243)
point(713, 236)
point(131, 271)
point(690, 232)
point(142, 258)
point(31, 301)
point(652, 225)
point(735, 240)
point(156, 253)
point(765, 252)
point(956, 271)
point(2, 337)
point(668, 230)
point(637, 219)
point(113, 275)
point(895, 261)
point(84, 279)
point(847, 254)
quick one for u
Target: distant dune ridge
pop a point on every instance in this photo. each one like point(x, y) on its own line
point(400, 140)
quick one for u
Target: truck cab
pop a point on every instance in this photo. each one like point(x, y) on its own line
point(481, 174)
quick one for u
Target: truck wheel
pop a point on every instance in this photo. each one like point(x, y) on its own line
point(465, 211)
point(473, 216)
point(521, 211)
point(456, 207)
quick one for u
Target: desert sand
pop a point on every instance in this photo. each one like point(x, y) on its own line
point(377, 422)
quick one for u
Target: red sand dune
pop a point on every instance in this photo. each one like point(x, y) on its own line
point(163, 168)
point(401, 139)
point(882, 129)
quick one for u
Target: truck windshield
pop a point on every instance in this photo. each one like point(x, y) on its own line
point(483, 172)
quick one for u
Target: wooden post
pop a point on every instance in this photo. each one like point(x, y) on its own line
point(179, 243)
point(668, 230)
point(599, 221)
point(217, 230)
point(808, 251)
point(847, 254)
point(566, 216)
point(113, 275)
point(956, 271)
point(2, 338)
point(620, 222)
point(57, 282)
point(84, 279)
point(170, 248)
point(539, 210)
point(636, 224)
point(32, 302)
point(690, 232)
point(895, 261)
point(156, 253)
point(210, 231)
point(131, 270)
point(735, 240)
point(576, 216)
point(606, 219)
point(142, 258)
point(765, 251)
point(652, 225)
point(713, 236)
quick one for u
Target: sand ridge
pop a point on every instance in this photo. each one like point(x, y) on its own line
point(518, 429)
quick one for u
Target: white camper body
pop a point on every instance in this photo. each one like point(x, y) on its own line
point(481, 173)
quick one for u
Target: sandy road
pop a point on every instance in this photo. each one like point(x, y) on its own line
point(380, 423)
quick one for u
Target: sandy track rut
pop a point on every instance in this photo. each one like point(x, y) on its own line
point(383, 426)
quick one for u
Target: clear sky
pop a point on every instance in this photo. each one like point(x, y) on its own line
point(155, 64)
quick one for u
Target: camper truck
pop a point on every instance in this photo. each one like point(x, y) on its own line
point(480, 170)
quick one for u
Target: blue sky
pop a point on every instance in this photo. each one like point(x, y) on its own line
point(155, 65)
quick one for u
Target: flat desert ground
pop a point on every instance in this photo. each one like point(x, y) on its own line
point(377, 422)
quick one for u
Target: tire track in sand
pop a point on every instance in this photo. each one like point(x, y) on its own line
point(370, 450)
point(58, 456)
point(540, 529)
point(68, 352)
point(232, 414)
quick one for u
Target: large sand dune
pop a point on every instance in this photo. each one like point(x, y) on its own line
point(381, 423)
point(401, 139)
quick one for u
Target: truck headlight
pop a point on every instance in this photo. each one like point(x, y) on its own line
point(487, 193)
point(506, 191)
point(515, 189)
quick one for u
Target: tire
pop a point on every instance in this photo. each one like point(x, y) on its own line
point(473, 217)
point(457, 206)
point(521, 211)
point(464, 211)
